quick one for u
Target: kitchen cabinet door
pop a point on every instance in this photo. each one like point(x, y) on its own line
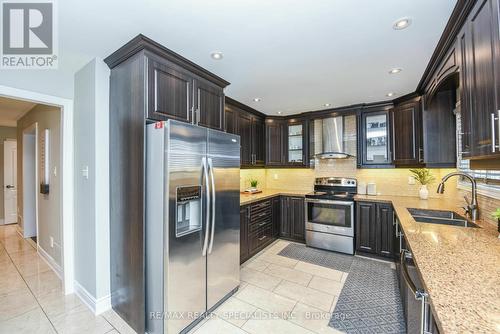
point(406, 122)
point(276, 212)
point(366, 227)
point(244, 221)
point(274, 142)
point(296, 215)
point(482, 48)
point(258, 141)
point(285, 226)
point(170, 92)
point(245, 130)
point(295, 145)
point(375, 139)
point(385, 230)
point(231, 120)
point(209, 104)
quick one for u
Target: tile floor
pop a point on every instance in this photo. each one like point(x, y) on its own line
point(31, 298)
point(277, 295)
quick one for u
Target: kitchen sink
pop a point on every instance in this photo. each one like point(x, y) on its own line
point(440, 217)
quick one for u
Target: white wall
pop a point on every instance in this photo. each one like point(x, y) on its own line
point(49, 205)
point(91, 201)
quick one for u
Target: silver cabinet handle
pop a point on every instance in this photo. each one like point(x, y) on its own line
point(493, 136)
point(262, 238)
point(211, 169)
point(207, 209)
point(498, 124)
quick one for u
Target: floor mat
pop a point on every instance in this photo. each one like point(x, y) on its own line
point(369, 301)
point(337, 261)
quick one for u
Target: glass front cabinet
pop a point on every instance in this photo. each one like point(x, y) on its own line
point(296, 135)
point(375, 139)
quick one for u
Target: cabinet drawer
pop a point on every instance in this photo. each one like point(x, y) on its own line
point(260, 225)
point(265, 236)
point(260, 215)
point(260, 206)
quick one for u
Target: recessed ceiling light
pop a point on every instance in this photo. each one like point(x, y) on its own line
point(280, 112)
point(327, 104)
point(257, 99)
point(390, 94)
point(402, 23)
point(217, 55)
point(395, 70)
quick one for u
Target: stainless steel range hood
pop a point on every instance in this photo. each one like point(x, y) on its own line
point(332, 138)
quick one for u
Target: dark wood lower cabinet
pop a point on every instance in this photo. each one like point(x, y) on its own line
point(244, 219)
point(292, 218)
point(263, 222)
point(385, 230)
point(365, 227)
point(375, 229)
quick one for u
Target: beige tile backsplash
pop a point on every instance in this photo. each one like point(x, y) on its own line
point(389, 181)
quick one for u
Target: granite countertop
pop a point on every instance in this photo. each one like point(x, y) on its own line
point(459, 267)
point(268, 193)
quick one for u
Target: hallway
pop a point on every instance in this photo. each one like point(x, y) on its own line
point(31, 298)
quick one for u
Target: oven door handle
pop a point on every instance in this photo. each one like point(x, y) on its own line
point(322, 201)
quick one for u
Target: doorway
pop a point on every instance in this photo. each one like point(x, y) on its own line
point(10, 181)
point(30, 182)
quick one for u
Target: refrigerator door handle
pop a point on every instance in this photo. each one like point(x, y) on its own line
point(207, 209)
point(212, 185)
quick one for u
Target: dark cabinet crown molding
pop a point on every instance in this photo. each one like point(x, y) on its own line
point(141, 42)
point(233, 102)
point(457, 19)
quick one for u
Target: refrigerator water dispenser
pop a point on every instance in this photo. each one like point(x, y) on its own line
point(188, 215)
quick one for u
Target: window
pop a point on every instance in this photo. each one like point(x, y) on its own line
point(486, 179)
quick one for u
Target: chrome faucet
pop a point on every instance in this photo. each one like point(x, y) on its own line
point(472, 209)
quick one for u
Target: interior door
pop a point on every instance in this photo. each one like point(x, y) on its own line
point(185, 271)
point(10, 181)
point(223, 259)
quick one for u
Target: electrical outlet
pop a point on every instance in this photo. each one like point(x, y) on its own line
point(51, 242)
point(275, 176)
point(85, 172)
point(411, 180)
point(55, 171)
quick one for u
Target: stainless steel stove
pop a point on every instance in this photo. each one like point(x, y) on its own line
point(330, 214)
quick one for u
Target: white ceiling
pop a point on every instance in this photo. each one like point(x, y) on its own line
point(11, 110)
point(294, 54)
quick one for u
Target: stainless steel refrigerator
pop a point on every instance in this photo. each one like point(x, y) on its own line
point(192, 223)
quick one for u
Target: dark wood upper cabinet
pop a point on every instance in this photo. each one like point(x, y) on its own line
point(245, 131)
point(366, 227)
point(170, 92)
point(231, 120)
point(439, 128)
point(481, 82)
point(296, 142)
point(209, 104)
point(406, 125)
point(249, 124)
point(374, 143)
point(258, 141)
point(275, 142)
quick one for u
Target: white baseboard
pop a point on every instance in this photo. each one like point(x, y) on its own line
point(97, 306)
point(51, 262)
